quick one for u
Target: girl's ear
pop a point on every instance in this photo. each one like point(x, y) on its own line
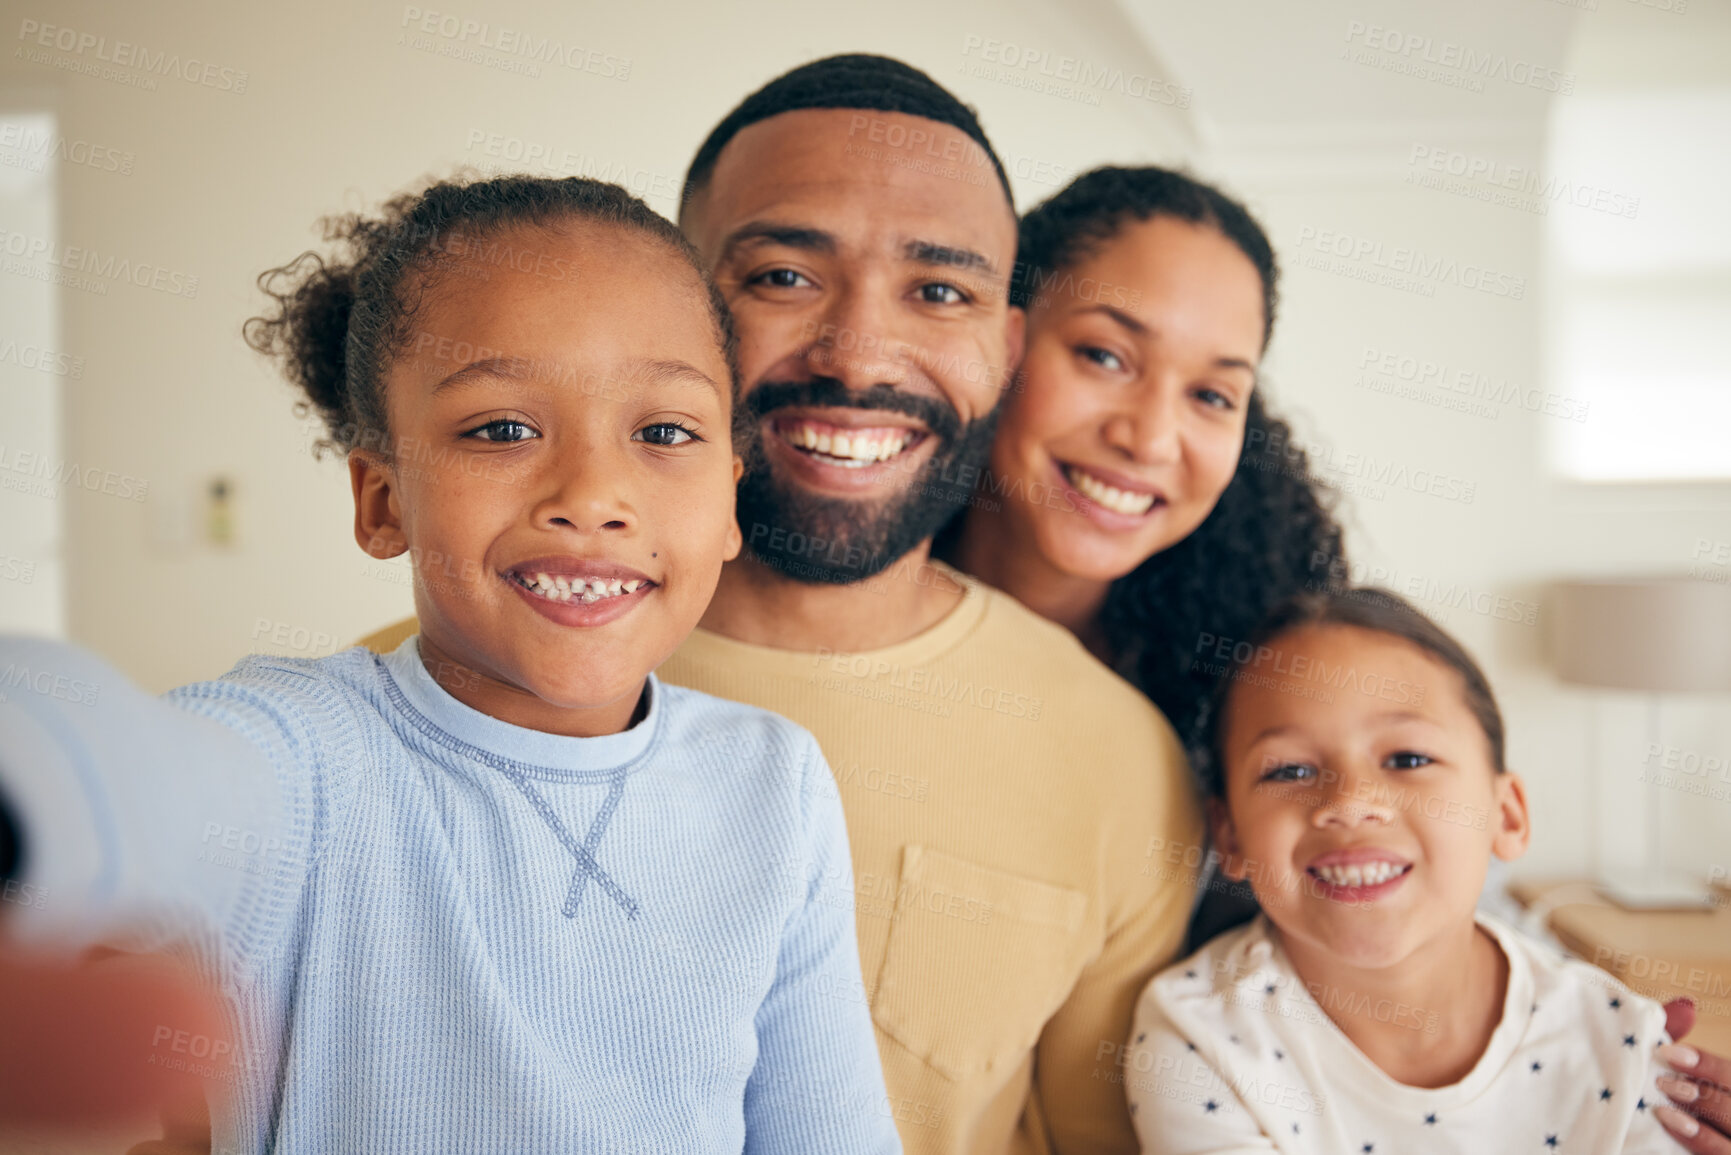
point(1511, 828)
point(1225, 837)
point(378, 517)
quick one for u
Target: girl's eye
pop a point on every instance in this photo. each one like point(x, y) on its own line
point(502, 430)
point(664, 433)
point(1290, 772)
point(781, 279)
point(1213, 398)
point(938, 293)
point(1407, 760)
point(1101, 357)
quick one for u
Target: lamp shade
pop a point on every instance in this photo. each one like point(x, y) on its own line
point(1653, 634)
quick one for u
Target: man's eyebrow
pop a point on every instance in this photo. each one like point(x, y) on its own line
point(812, 240)
point(949, 256)
point(1139, 327)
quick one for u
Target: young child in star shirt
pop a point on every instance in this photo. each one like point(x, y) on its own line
point(1357, 783)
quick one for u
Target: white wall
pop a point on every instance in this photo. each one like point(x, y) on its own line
point(33, 365)
point(341, 108)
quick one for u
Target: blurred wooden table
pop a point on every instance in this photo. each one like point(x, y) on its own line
point(1660, 954)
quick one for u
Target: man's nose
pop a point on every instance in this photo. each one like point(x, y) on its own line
point(854, 340)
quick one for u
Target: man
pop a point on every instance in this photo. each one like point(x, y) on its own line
point(1018, 816)
point(1003, 790)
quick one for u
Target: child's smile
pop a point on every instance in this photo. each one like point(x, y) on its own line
point(1360, 874)
point(576, 592)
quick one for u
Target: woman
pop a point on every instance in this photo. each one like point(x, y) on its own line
point(1141, 494)
point(1132, 495)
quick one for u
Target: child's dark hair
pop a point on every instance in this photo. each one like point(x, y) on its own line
point(1364, 608)
point(341, 320)
point(1095, 207)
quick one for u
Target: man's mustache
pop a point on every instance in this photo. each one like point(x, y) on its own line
point(827, 392)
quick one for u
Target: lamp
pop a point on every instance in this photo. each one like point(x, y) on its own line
point(1655, 635)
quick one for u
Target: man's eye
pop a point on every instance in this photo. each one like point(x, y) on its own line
point(664, 433)
point(1101, 357)
point(502, 430)
point(938, 293)
point(1407, 760)
point(781, 279)
point(1290, 772)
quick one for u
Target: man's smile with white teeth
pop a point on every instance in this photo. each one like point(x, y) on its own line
point(1360, 874)
point(851, 448)
point(1125, 501)
point(575, 588)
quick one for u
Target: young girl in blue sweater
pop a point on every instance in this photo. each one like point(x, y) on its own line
point(501, 890)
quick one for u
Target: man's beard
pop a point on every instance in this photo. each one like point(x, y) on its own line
point(836, 541)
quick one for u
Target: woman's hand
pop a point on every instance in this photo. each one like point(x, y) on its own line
point(1701, 1121)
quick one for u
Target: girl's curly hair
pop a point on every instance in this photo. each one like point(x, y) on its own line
point(339, 321)
point(1272, 533)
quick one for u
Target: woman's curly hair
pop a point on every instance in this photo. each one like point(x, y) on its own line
point(1272, 533)
point(339, 321)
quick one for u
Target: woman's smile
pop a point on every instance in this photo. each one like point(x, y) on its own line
point(1113, 492)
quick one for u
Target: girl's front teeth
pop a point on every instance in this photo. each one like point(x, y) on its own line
point(1364, 874)
point(567, 589)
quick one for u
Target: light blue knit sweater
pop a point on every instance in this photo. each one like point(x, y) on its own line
point(441, 932)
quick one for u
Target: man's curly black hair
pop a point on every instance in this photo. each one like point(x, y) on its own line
point(1273, 532)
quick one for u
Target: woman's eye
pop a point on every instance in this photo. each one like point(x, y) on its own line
point(781, 279)
point(938, 293)
point(1213, 398)
point(502, 431)
point(1101, 357)
point(1407, 760)
point(1290, 772)
point(664, 433)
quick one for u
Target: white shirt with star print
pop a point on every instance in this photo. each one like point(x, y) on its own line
point(1231, 1053)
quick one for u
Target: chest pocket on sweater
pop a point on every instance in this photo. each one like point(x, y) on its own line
point(977, 961)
